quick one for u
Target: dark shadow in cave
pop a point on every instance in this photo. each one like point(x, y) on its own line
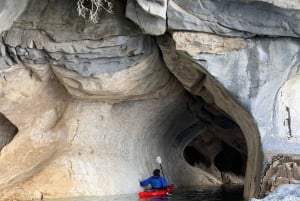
point(194, 158)
point(230, 160)
point(7, 131)
point(218, 147)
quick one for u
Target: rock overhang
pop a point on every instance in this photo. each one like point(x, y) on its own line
point(192, 68)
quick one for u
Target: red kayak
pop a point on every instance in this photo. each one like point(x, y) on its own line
point(156, 193)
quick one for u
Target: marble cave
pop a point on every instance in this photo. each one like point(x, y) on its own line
point(210, 86)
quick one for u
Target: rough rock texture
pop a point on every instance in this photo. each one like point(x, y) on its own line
point(10, 11)
point(244, 18)
point(280, 170)
point(85, 108)
point(233, 18)
point(149, 15)
point(290, 4)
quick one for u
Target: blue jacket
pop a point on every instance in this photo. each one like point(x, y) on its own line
point(156, 182)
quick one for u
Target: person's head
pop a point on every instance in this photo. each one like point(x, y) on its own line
point(156, 172)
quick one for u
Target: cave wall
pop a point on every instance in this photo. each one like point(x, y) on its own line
point(87, 107)
point(10, 11)
point(89, 101)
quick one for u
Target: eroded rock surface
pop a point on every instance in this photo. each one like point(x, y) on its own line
point(151, 16)
point(87, 107)
point(280, 170)
point(234, 18)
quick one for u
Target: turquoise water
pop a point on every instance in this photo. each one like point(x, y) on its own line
point(183, 194)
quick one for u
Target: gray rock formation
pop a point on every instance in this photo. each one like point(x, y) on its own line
point(10, 11)
point(234, 18)
point(87, 107)
point(149, 15)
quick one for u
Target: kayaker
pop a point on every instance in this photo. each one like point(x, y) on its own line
point(156, 181)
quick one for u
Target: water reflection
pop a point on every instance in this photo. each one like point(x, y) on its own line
point(163, 198)
point(233, 193)
point(229, 193)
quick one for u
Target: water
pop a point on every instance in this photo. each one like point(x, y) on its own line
point(208, 194)
point(184, 194)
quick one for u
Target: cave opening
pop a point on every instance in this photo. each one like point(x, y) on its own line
point(7, 131)
point(219, 148)
point(230, 160)
point(220, 128)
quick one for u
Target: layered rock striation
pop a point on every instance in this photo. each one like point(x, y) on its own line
point(85, 108)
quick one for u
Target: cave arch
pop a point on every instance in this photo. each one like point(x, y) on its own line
point(218, 147)
point(7, 131)
point(216, 119)
point(199, 82)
